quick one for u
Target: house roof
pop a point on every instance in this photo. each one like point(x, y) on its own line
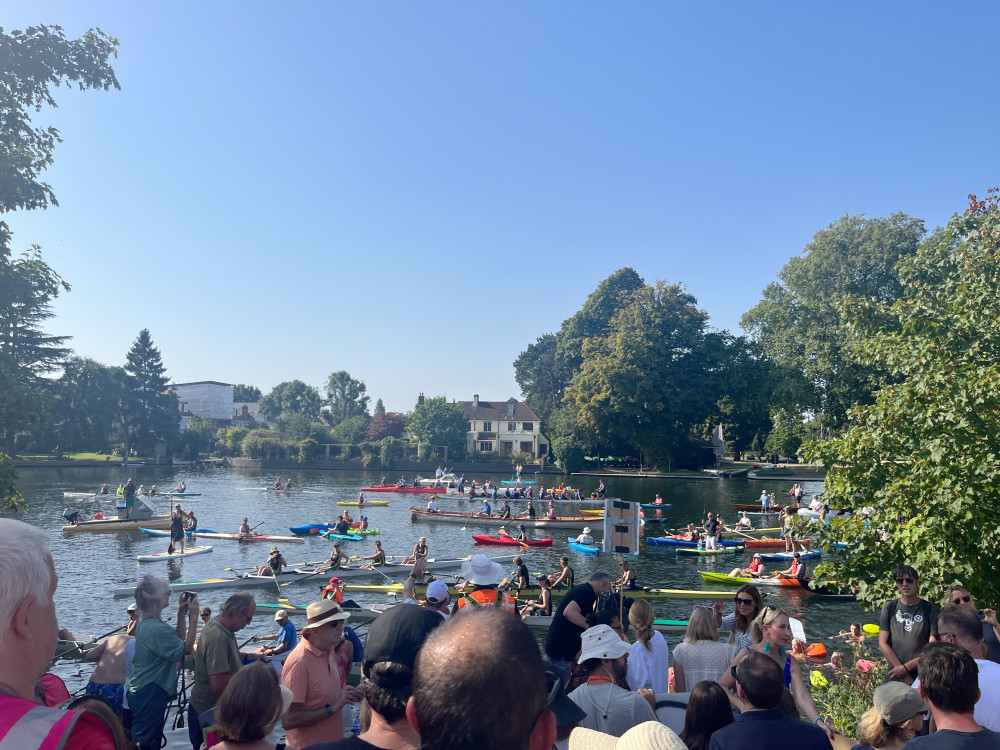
point(497, 410)
point(203, 382)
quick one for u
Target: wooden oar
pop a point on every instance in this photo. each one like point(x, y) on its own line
point(95, 639)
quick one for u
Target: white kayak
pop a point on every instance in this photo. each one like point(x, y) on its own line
point(88, 495)
point(815, 514)
point(158, 556)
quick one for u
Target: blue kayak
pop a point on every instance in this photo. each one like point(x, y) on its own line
point(310, 528)
point(787, 556)
point(669, 541)
point(344, 537)
point(589, 549)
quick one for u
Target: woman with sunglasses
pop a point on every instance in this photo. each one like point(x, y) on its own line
point(772, 633)
point(738, 622)
point(959, 596)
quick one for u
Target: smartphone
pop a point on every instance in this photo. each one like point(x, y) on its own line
point(980, 615)
point(187, 596)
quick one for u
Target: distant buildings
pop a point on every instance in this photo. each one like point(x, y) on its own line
point(503, 427)
point(205, 398)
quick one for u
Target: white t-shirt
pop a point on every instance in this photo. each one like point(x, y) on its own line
point(649, 669)
point(610, 709)
point(988, 707)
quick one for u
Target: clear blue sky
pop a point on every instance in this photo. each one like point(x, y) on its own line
point(414, 192)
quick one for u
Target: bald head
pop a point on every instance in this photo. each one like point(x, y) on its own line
point(481, 671)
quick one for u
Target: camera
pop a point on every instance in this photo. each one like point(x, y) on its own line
point(187, 596)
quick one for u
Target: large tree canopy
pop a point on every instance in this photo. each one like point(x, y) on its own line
point(922, 463)
point(345, 397)
point(290, 397)
point(799, 321)
point(437, 423)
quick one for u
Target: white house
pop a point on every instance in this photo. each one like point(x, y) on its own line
point(205, 398)
point(503, 427)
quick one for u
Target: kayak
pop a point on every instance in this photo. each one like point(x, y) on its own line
point(670, 541)
point(792, 583)
point(664, 626)
point(367, 502)
point(707, 552)
point(158, 556)
point(344, 537)
point(654, 506)
point(311, 529)
point(365, 532)
point(587, 512)
point(210, 534)
point(772, 543)
point(87, 495)
point(652, 594)
point(506, 541)
point(788, 556)
point(473, 519)
point(403, 490)
point(589, 549)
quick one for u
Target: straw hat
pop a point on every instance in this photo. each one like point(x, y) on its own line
point(650, 735)
point(322, 612)
point(481, 571)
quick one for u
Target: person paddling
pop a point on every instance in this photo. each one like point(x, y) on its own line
point(377, 559)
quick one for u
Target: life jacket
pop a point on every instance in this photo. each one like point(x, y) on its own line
point(484, 598)
point(335, 592)
point(23, 722)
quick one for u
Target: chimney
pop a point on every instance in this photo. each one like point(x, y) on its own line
point(475, 401)
point(245, 412)
point(420, 400)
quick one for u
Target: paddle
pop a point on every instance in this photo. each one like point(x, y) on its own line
point(244, 536)
point(314, 573)
point(466, 522)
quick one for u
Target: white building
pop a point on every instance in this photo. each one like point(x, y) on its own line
point(503, 427)
point(205, 398)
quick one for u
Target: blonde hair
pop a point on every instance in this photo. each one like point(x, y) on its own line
point(701, 626)
point(951, 590)
point(641, 618)
point(767, 615)
point(873, 730)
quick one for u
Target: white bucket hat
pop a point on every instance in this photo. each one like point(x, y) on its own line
point(601, 642)
point(586, 529)
point(482, 571)
point(650, 735)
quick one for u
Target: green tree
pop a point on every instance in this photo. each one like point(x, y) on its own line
point(151, 413)
point(290, 397)
point(643, 382)
point(542, 380)
point(231, 439)
point(350, 431)
point(88, 405)
point(296, 427)
point(786, 435)
point(379, 408)
point(345, 397)
point(21, 403)
point(922, 463)
point(260, 444)
point(799, 321)
point(249, 394)
point(200, 436)
point(436, 423)
point(11, 499)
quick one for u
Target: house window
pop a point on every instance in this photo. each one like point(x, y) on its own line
point(511, 426)
point(487, 427)
point(485, 446)
point(506, 446)
point(527, 426)
point(526, 446)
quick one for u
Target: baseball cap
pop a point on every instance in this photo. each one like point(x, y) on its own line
point(132, 607)
point(398, 634)
point(280, 615)
point(897, 702)
point(437, 592)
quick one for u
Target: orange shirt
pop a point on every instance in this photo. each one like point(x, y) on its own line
point(314, 680)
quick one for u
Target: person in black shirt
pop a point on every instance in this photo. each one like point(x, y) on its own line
point(563, 642)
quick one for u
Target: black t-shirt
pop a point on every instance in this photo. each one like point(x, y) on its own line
point(522, 575)
point(949, 739)
point(712, 527)
point(348, 743)
point(563, 641)
point(910, 628)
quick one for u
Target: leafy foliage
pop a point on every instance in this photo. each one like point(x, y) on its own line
point(437, 423)
point(345, 397)
point(787, 434)
point(260, 444)
point(246, 393)
point(290, 397)
point(88, 405)
point(385, 424)
point(391, 450)
point(308, 450)
point(843, 700)
point(230, 439)
point(350, 430)
point(151, 413)
point(11, 499)
point(923, 461)
point(200, 436)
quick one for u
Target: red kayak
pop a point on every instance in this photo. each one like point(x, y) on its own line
point(506, 541)
point(401, 490)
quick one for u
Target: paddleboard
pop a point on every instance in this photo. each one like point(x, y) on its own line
point(158, 556)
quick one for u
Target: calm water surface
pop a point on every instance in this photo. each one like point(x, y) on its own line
point(90, 565)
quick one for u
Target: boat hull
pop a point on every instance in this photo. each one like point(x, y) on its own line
point(587, 549)
point(379, 503)
point(651, 594)
point(465, 518)
point(404, 490)
point(163, 556)
point(707, 552)
point(117, 524)
point(669, 541)
point(508, 542)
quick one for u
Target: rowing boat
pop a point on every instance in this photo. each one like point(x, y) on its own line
point(298, 574)
point(161, 556)
point(707, 552)
point(403, 490)
point(87, 495)
point(652, 594)
point(120, 524)
point(507, 541)
point(672, 541)
point(587, 549)
point(464, 518)
point(209, 534)
point(356, 504)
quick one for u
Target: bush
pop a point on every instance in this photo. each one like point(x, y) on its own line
point(308, 450)
point(569, 454)
point(389, 450)
point(843, 701)
point(367, 459)
point(259, 444)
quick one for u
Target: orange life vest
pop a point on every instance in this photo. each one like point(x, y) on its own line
point(487, 598)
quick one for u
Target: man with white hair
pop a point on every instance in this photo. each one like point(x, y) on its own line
point(28, 634)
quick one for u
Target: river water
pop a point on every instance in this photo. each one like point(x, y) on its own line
point(90, 565)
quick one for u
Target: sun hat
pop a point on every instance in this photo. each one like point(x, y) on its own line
point(397, 635)
point(650, 735)
point(601, 642)
point(437, 593)
point(481, 571)
point(423, 539)
point(897, 702)
point(274, 549)
point(586, 529)
point(322, 612)
point(280, 615)
point(132, 607)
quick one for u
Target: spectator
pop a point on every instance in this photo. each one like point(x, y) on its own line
point(248, 709)
point(217, 659)
point(650, 735)
point(896, 715)
point(708, 710)
point(28, 634)
point(959, 596)
point(609, 708)
point(906, 625)
point(738, 622)
point(107, 681)
point(700, 656)
point(568, 714)
point(961, 627)
point(393, 642)
point(485, 576)
point(158, 652)
point(772, 636)
point(470, 691)
point(649, 657)
point(570, 620)
point(311, 673)
point(949, 683)
point(100, 707)
point(764, 724)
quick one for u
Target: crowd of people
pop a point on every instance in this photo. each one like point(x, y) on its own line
point(450, 675)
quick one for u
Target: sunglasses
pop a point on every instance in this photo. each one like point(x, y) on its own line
point(732, 671)
point(744, 602)
point(905, 579)
point(962, 600)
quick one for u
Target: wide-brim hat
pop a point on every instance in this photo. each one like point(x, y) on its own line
point(586, 529)
point(482, 571)
point(601, 642)
point(322, 612)
point(274, 549)
point(650, 735)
